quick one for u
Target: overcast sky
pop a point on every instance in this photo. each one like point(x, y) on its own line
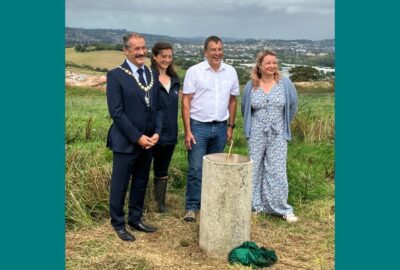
point(283, 19)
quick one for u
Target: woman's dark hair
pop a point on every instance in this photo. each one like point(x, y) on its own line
point(157, 48)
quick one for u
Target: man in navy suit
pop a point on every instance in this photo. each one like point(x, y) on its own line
point(134, 105)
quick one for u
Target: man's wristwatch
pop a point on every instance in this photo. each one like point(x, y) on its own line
point(232, 125)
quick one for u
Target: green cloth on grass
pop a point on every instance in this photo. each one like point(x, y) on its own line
point(250, 254)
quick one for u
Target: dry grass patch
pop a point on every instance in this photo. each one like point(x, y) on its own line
point(97, 59)
point(315, 84)
point(307, 244)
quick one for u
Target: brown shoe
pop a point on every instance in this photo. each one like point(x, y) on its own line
point(190, 216)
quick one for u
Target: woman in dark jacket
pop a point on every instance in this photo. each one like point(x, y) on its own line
point(161, 61)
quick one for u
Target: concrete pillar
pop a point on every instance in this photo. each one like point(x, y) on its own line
point(226, 192)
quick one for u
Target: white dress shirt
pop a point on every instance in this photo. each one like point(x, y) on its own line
point(211, 91)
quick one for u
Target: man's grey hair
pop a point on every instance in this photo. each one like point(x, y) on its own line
point(126, 38)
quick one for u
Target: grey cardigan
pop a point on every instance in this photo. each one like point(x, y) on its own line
point(290, 108)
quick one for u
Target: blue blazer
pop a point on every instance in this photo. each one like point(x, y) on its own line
point(129, 112)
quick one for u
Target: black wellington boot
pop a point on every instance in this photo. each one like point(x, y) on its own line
point(160, 189)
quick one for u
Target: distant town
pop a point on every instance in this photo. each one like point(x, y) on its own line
point(240, 53)
point(319, 54)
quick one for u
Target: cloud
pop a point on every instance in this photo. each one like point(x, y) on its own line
point(207, 6)
point(312, 19)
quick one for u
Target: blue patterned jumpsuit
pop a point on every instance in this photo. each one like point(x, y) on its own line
point(268, 150)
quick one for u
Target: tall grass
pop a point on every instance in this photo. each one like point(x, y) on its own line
point(88, 161)
point(314, 121)
point(88, 171)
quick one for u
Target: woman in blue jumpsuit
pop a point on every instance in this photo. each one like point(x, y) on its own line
point(269, 104)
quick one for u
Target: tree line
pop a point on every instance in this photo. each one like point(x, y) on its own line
point(297, 74)
point(98, 47)
point(307, 73)
point(327, 60)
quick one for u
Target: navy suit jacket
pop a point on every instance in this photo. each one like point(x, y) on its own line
point(127, 107)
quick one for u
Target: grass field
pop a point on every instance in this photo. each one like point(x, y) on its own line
point(96, 59)
point(91, 243)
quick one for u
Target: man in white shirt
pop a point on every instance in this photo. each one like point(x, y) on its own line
point(208, 111)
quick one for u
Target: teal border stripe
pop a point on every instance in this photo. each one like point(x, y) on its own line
point(367, 147)
point(32, 233)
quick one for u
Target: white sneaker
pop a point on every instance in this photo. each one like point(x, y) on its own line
point(290, 217)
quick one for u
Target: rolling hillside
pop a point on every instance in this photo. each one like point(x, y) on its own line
point(75, 36)
point(100, 59)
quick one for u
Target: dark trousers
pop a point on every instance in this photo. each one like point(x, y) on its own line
point(136, 165)
point(162, 159)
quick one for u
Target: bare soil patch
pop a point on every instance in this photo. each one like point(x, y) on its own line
point(73, 78)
